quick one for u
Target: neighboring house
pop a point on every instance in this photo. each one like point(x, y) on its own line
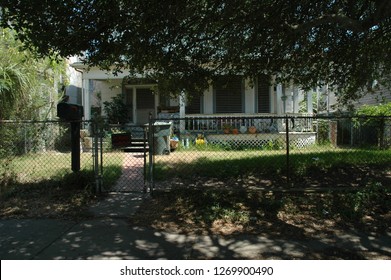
point(74, 89)
point(366, 133)
point(380, 95)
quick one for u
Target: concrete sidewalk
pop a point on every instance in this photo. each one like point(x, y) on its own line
point(108, 235)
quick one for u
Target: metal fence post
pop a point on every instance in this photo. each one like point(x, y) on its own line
point(145, 137)
point(151, 152)
point(98, 179)
point(287, 151)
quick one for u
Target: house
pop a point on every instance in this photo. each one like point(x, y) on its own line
point(380, 94)
point(227, 96)
point(229, 99)
point(74, 89)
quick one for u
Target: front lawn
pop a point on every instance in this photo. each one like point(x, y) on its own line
point(43, 185)
point(306, 165)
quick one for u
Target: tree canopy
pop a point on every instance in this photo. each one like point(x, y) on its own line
point(184, 44)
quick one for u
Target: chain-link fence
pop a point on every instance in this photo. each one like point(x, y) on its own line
point(112, 157)
point(253, 152)
point(270, 152)
point(37, 152)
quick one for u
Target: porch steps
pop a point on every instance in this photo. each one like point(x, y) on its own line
point(137, 146)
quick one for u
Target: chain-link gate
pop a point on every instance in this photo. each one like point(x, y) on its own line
point(120, 158)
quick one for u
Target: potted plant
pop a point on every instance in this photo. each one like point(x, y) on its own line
point(235, 131)
point(252, 129)
point(243, 129)
point(227, 128)
point(200, 140)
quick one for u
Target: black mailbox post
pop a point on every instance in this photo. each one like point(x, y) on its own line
point(72, 113)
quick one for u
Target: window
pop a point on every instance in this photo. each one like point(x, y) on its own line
point(193, 105)
point(228, 93)
point(263, 95)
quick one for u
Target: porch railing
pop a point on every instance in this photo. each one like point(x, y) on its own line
point(264, 123)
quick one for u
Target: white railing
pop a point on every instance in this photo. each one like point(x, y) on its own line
point(264, 123)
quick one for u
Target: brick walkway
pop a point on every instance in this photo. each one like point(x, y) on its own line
point(132, 178)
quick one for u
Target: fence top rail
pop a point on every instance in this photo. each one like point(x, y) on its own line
point(43, 121)
point(244, 117)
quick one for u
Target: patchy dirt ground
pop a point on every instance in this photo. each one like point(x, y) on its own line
point(292, 216)
point(39, 201)
point(296, 215)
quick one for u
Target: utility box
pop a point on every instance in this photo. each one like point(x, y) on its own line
point(69, 112)
point(161, 134)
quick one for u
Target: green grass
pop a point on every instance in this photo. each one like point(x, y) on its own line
point(231, 164)
point(33, 167)
point(56, 167)
point(112, 168)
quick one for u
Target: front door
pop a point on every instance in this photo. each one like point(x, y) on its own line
point(145, 104)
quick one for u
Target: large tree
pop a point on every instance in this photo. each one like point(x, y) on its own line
point(185, 43)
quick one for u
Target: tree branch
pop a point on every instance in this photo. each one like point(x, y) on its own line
point(344, 21)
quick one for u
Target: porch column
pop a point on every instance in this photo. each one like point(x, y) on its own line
point(208, 101)
point(182, 113)
point(249, 97)
point(272, 100)
point(281, 99)
point(309, 102)
point(86, 99)
point(295, 100)
point(134, 104)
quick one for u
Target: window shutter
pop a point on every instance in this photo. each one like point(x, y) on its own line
point(193, 105)
point(263, 95)
point(229, 95)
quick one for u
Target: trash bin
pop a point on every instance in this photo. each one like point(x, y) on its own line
point(161, 138)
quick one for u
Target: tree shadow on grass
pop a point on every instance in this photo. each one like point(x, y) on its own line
point(230, 220)
point(307, 170)
point(63, 196)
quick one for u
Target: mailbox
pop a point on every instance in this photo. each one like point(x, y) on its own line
point(69, 112)
point(72, 113)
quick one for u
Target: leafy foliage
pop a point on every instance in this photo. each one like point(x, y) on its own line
point(184, 44)
point(378, 112)
point(115, 110)
point(375, 110)
point(27, 84)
